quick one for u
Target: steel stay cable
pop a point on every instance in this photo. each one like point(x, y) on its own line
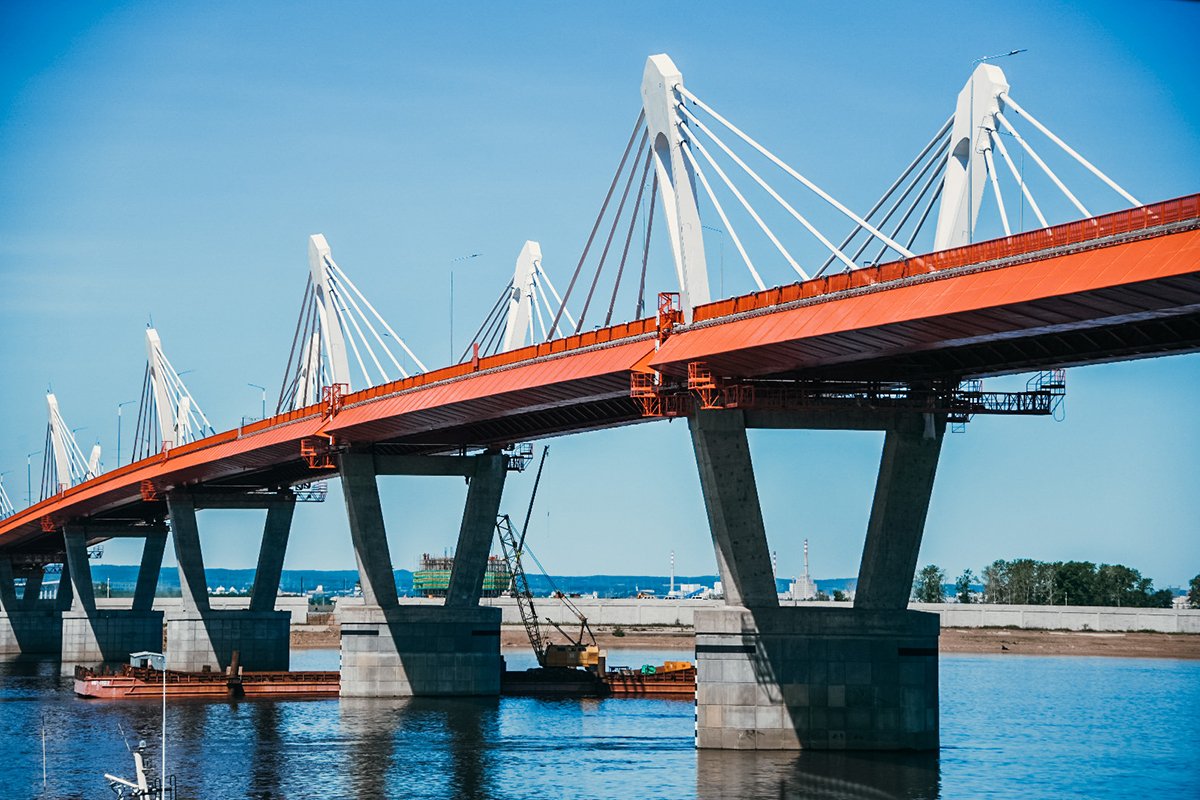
point(505, 294)
point(687, 151)
point(933, 178)
point(936, 162)
point(295, 337)
point(1038, 159)
point(750, 209)
point(641, 304)
point(994, 136)
point(596, 226)
point(1004, 96)
point(611, 231)
point(338, 283)
point(633, 217)
point(883, 199)
point(399, 340)
point(779, 163)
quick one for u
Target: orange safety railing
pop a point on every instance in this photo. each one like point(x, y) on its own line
point(1085, 230)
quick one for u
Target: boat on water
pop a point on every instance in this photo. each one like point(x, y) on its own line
point(669, 679)
point(130, 682)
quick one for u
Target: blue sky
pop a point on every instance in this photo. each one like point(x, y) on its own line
point(171, 160)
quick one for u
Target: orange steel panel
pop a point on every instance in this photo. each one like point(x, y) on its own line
point(588, 364)
point(276, 440)
point(235, 454)
point(1141, 260)
point(1156, 214)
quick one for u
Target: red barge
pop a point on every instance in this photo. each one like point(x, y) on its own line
point(130, 683)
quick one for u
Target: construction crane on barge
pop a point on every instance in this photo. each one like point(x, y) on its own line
point(512, 544)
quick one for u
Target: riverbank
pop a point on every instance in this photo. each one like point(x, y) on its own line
point(953, 640)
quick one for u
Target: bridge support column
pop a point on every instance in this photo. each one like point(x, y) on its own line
point(26, 628)
point(394, 651)
point(33, 587)
point(95, 637)
point(816, 678)
point(199, 637)
point(476, 532)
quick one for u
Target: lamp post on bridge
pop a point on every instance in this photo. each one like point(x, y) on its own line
point(454, 261)
point(974, 132)
point(29, 477)
point(119, 407)
point(264, 398)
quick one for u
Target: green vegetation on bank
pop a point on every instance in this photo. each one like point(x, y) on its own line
point(1024, 581)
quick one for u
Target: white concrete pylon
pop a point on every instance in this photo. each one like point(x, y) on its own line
point(180, 419)
point(677, 182)
point(966, 169)
point(160, 386)
point(329, 318)
point(70, 466)
point(59, 448)
point(520, 303)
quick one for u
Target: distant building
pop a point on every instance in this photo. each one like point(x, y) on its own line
point(433, 578)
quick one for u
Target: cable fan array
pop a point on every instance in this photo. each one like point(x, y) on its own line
point(334, 312)
point(64, 464)
point(519, 314)
point(957, 164)
point(6, 506)
point(168, 414)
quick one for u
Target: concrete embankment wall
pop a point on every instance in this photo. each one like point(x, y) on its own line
point(296, 606)
point(632, 613)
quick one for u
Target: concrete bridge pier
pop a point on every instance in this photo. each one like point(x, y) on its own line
point(772, 678)
point(199, 637)
point(421, 651)
point(27, 627)
point(94, 637)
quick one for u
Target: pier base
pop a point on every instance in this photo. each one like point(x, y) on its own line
point(30, 632)
point(96, 638)
point(421, 651)
point(206, 640)
point(821, 679)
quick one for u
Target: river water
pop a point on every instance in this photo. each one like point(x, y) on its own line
point(1012, 726)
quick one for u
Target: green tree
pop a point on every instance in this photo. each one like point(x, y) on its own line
point(1022, 581)
point(1075, 583)
point(1194, 592)
point(995, 582)
point(1163, 598)
point(839, 596)
point(927, 588)
point(962, 587)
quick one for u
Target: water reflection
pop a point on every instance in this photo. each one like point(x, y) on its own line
point(421, 747)
point(820, 775)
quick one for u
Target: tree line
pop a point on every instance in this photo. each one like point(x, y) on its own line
point(1024, 581)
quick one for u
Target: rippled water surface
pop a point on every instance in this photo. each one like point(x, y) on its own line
point(1017, 726)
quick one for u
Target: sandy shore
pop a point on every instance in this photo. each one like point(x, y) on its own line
point(953, 640)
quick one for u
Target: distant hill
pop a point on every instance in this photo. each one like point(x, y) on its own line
point(123, 578)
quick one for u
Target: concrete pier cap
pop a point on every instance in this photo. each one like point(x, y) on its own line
point(420, 651)
point(821, 679)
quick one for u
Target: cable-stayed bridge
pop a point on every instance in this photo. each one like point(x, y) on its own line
point(875, 334)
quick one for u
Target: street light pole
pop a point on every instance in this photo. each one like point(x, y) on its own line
point(119, 407)
point(264, 398)
point(29, 477)
point(454, 261)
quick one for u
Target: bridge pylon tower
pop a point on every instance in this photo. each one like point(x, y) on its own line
point(662, 83)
